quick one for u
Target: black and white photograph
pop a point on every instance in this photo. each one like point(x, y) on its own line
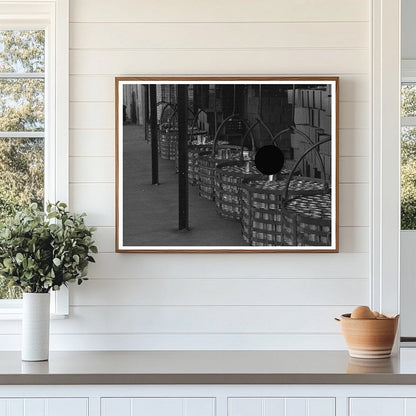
point(227, 164)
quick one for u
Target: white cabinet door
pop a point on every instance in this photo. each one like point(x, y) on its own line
point(382, 407)
point(146, 406)
point(252, 406)
point(44, 407)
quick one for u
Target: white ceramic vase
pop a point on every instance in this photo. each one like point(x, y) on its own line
point(35, 326)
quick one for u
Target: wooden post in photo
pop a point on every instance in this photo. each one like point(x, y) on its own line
point(153, 128)
point(183, 157)
point(146, 112)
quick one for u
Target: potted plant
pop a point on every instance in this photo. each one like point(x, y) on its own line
point(40, 252)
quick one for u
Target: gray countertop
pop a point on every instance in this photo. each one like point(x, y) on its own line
point(208, 367)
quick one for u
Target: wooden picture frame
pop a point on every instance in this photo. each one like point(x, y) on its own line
point(187, 179)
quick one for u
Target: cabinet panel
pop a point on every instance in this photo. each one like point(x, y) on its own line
point(275, 407)
point(281, 406)
point(296, 407)
point(113, 407)
point(382, 406)
point(17, 407)
point(157, 406)
point(245, 407)
point(67, 407)
point(377, 407)
point(410, 406)
point(34, 407)
point(44, 407)
point(318, 407)
point(199, 407)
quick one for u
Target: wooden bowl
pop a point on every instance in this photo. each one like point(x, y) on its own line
point(369, 338)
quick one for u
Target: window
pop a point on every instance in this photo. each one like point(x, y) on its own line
point(22, 124)
point(33, 112)
point(408, 155)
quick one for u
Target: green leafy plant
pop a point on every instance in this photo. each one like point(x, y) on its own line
point(43, 251)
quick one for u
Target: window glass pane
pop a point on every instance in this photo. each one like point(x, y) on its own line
point(408, 178)
point(21, 173)
point(22, 104)
point(21, 183)
point(22, 51)
point(21, 109)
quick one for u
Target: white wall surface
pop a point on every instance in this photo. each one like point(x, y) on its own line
point(214, 301)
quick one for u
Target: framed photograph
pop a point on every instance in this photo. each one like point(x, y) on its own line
point(234, 164)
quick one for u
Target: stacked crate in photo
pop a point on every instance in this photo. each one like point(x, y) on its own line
point(312, 117)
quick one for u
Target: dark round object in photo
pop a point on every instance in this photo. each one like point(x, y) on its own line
point(269, 160)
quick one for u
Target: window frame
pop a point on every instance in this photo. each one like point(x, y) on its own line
point(53, 17)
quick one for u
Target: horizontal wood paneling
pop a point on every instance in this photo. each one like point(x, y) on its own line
point(94, 143)
point(202, 319)
point(353, 115)
point(146, 342)
point(218, 35)
point(92, 88)
point(248, 265)
point(105, 239)
point(219, 62)
point(352, 239)
point(90, 169)
point(194, 320)
point(218, 11)
point(96, 199)
point(220, 291)
point(299, 37)
point(92, 115)
point(354, 208)
point(354, 142)
point(100, 88)
point(354, 169)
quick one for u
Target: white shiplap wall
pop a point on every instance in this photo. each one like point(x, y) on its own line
point(181, 301)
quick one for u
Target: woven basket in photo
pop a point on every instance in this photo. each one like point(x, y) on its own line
point(262, 207)
point(193, 161)
point(169, 144)
point(307, 220)
point(229, 177)
point(207, 164)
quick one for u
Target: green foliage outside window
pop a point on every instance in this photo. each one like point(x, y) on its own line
point(408, 160)
point(21, 110)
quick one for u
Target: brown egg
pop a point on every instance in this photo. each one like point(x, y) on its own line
point(376, 314)
point(362, 312)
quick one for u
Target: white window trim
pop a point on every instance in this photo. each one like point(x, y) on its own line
point(34, 13)
point(385, 95)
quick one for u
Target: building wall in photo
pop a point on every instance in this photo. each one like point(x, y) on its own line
point(214, 301)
